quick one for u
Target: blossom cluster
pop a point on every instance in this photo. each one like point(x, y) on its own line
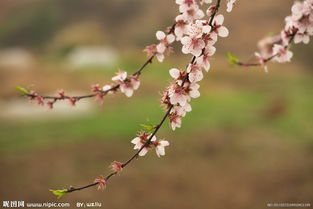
point(190, 12)
point(197, 35)
point(197, 31)
point(298, 28)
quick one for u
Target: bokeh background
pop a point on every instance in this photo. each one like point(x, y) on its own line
point(247, 142)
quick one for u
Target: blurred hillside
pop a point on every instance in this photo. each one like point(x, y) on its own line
point(60, 25)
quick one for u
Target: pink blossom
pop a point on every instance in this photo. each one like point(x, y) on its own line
point(301, 21)
point(218, 27)
point(210, 10)
point(181, 110)
point(107, 89)
point(164, 45)
point(165, 40)
point(177, 95)
point(193, 46)
point(178, 75)
point(128, 86)
point(191, 13)
point(302, 37)
point(120, 76)
point(195, 73)
point(152, 51)
point(140, 141)
point(210, 39)
point(160, 147)
point(175, 121)
point(160, 57)
point(193, 90)
point(193, 42)
point(198, 29)
point(180, 27)
point(203, 60)
point(300, 9)
point(289, 23)
point(281, 53)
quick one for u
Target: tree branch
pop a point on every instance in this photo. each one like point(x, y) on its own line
point(98, 92)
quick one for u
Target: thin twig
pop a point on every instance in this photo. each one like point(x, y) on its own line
point(292, 36)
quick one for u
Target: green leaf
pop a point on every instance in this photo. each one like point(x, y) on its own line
point(21, 89)
point(59, 192)
point(232, 59)
point(148, 127)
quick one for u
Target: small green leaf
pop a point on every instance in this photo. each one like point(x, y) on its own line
point(232, 59)
point(148, 127)
point(59, 192)
point(21, 89)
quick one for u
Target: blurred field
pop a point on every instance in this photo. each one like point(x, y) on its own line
point(247, 142)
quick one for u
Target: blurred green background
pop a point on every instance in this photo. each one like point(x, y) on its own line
point(247, 142)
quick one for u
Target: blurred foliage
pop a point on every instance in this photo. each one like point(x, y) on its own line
point(30, 26)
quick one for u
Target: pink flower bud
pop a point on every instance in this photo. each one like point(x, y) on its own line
point(72, 101)
point(150, 50)
point(116, 166)
point(96, 88)
point(40, 101)
point(101, 182)
point(99, 97)
point(210, 10)
point(50, 104)
point(61, 93)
